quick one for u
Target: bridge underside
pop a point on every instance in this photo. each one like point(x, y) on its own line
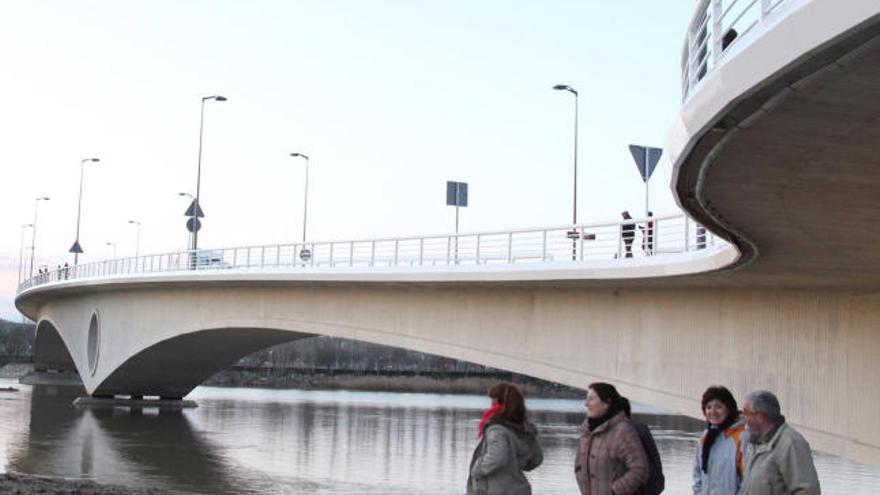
point(173, 367)
point(790, 173)
point(662, 346)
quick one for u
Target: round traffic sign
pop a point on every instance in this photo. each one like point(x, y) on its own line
point(189, 224)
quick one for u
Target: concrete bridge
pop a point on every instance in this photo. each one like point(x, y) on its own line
point(774, 152)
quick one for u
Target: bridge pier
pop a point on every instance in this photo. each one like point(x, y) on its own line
point(134, 402)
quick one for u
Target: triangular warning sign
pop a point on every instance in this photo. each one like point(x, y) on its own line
point(646, 159)
point(189, 211)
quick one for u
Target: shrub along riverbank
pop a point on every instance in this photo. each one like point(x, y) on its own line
point(477, 383)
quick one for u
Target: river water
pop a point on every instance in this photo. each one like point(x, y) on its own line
point(304, 442)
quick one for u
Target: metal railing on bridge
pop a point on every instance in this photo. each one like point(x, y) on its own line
point(620, 241)
point(715, 26)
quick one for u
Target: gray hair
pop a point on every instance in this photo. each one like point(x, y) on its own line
point(765, 402)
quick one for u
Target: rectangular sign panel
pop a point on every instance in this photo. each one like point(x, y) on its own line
point(456, 193)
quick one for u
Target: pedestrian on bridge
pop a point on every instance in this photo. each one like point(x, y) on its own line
point(778, 460)
point(610, 457)
point(627, 234)
point(508, 446)
point(718, 463)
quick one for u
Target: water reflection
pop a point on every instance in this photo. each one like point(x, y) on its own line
point(147, 447)
point(261, 441)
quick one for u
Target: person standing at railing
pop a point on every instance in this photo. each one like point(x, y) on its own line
point(648, 235)
point(701, 237)
point(627, 234)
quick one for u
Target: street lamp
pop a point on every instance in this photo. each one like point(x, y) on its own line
point(34, 231)
point(76, 249)
point(306, 206)
point(114, 248)
point(21, 251)
point(195, 212)
point(189, 234)
point(565, 87)
point(137, 245)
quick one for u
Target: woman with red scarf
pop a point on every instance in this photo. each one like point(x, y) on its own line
point(508, 446)
point(496, 395)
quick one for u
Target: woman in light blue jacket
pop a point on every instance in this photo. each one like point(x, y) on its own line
point(718, 464)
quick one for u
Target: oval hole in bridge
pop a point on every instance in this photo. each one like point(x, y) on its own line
point(94, 340)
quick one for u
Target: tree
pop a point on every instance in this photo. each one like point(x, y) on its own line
point(16, 339)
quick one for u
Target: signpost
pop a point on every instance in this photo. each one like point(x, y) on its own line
point(457, 196)
point(193, 224)
point(646, 159)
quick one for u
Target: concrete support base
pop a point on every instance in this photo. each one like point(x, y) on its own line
point(161, 403)
point(70, 379)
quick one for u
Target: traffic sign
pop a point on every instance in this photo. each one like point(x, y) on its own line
point(76, 248)
point(189, 224)
point(456, 193)
point(189, 211)
point(646, 159)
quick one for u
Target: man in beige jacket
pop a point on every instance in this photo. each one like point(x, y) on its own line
point(778, 460)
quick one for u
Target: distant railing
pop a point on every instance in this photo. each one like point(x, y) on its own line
point(715, 26)
point(636, 238)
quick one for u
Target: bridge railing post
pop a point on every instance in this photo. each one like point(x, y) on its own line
point(765, 8)
point(716, 35)
point(396, 250)
point(351, 253)
point(544, 245)
point(477, 254)
point(510, 247)
point(687, 234)
point(580, 243)
point(655, 238)
point(373, 253)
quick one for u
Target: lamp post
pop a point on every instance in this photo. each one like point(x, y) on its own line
point(137, 244)
point(114, 248)
point(195, 212)
point(565, 87)
point(306, 205)
point(34, 232)
point(21, 251)
point(76, 249)
point(188, 234)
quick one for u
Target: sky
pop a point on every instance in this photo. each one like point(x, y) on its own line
point(389, 99)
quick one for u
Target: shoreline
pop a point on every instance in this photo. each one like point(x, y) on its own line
point(405, 382)
point(27, 484)
point(311, 379)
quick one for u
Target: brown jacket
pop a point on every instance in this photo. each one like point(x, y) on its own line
point(611, 459)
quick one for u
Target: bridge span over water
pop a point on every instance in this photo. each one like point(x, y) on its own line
point(775, 152)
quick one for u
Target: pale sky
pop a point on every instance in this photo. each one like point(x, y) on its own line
point(390, 100)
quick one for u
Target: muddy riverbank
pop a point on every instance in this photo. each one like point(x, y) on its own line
point(21, 484)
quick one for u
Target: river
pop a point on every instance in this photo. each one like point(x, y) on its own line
point(314, 442)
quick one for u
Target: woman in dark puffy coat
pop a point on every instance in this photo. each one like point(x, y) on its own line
point(508, 446)
point(610, 457)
